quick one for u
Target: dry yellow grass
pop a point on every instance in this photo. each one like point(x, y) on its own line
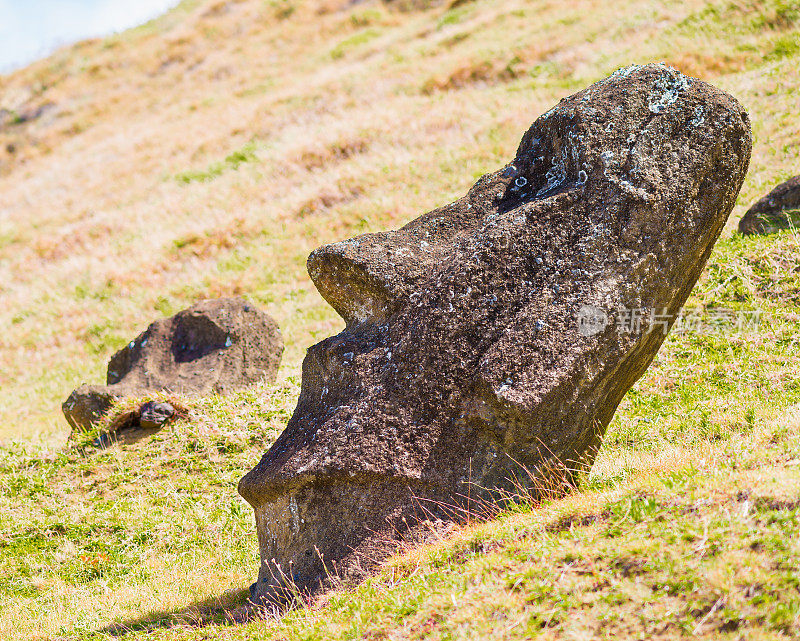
point(355, 119)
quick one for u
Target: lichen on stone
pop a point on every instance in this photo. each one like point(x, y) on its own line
point(556, 175)
point(698, 118)
point(667, 90)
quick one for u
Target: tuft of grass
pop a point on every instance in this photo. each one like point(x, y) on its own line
point(785, 46)
point(232, 161)
point(283, 9)
point(350, 43)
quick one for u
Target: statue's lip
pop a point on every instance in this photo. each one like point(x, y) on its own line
point(258, 487)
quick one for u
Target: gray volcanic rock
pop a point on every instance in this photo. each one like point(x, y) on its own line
point(490, 341)
point(153, 415)
point(87, 405)
point(779, 209)
point(215, 346)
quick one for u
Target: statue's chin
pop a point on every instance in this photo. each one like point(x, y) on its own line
point(303, 532)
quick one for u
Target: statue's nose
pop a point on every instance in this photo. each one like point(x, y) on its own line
point(371, 276)
point(360, 278)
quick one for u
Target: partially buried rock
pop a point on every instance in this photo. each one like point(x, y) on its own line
point(138, 423)
point(489, 342)
point(779, 209)
point(215, 346)
point(152, 415)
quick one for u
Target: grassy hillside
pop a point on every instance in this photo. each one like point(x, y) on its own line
point(208, 152)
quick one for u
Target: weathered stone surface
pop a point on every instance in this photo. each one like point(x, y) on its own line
point(87, 405)
point(492, 339)
point(215, 346)
point(779, 209)
point(153, 415)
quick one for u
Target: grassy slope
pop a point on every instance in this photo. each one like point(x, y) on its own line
point(208, 152)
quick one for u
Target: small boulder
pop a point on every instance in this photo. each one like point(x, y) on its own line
point(87, 405)
point(779, 209)
point(138, 423)
point(217, 345)
point(469, 367)
point(153, 415)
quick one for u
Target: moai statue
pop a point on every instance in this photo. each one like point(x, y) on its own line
point(489, 342)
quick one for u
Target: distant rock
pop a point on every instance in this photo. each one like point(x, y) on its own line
point(152, 415)
point(779, 209)
point(215, 346)
point(138, 422)
point(88, 404)
point(469, 363)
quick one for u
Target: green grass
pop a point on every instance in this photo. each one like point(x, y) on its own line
point(353, 42)
point(234, 160)
point(706, 549)
point(454, 16)
point(102, 520)
point(359, 120)
point(652, 546)
point(785, 46)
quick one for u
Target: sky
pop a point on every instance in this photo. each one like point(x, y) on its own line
point(31, 29)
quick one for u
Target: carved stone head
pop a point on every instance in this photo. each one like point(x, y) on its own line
point(490, 341)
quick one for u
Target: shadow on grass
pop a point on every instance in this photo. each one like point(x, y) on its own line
point(231, 608)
